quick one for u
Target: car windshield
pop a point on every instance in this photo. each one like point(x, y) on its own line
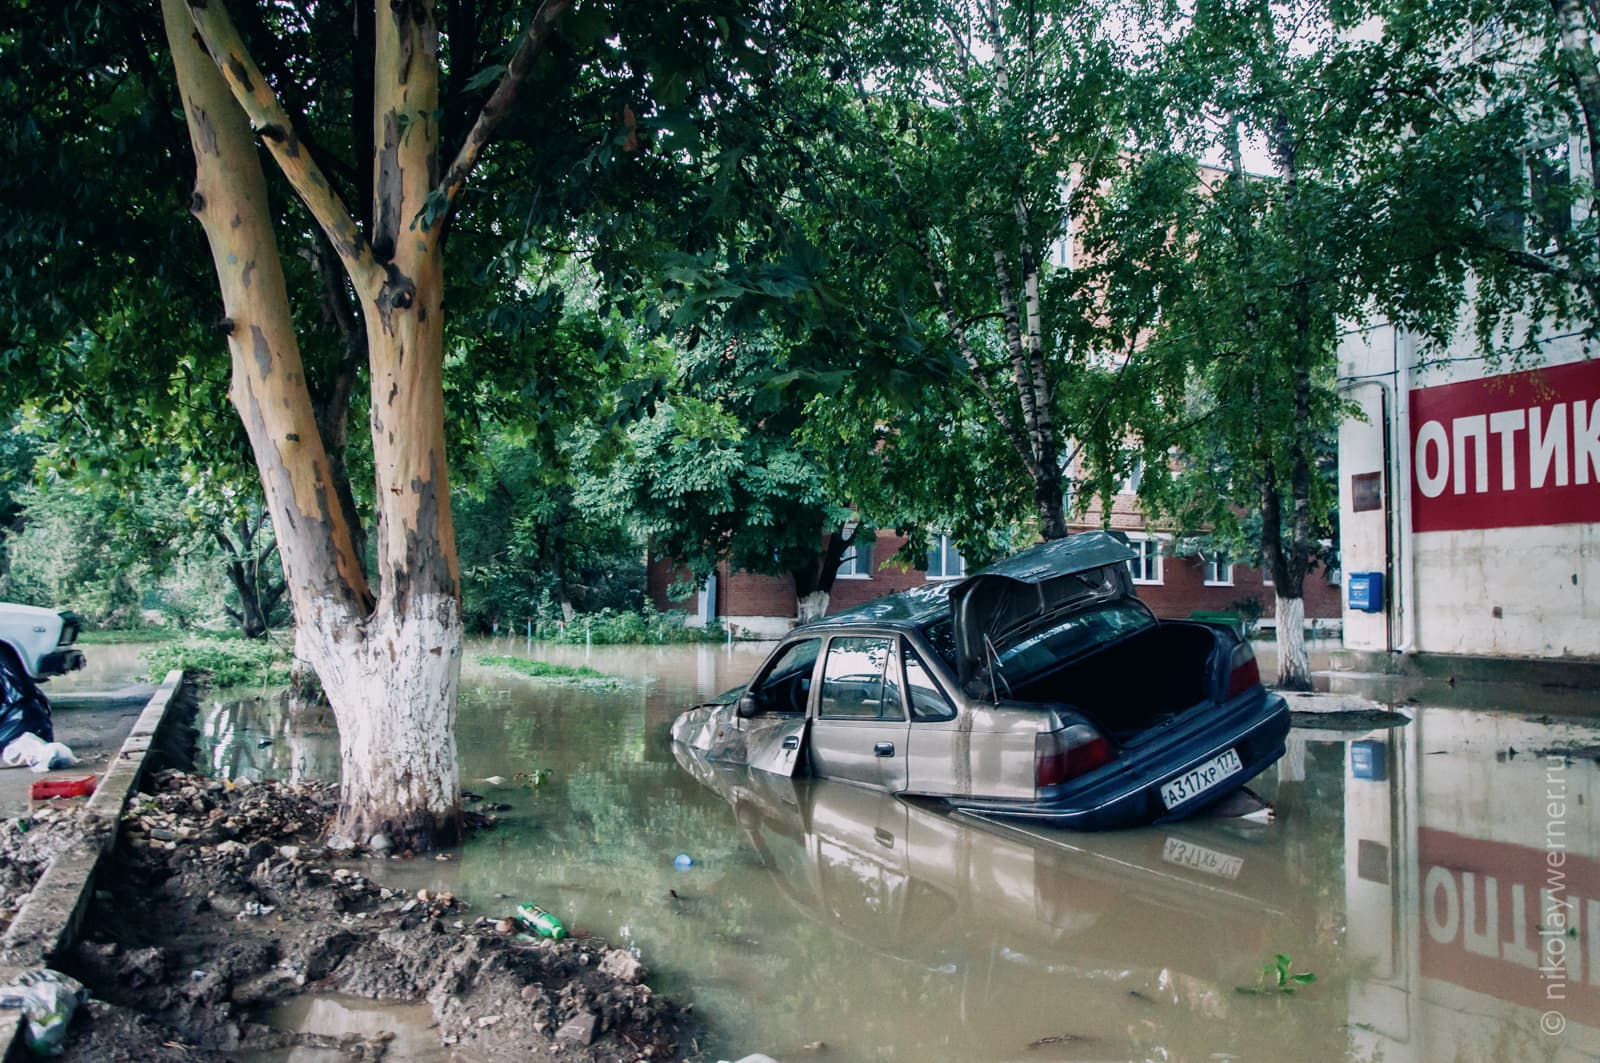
point(1069, 638)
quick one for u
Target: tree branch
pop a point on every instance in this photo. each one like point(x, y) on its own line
point(269, 122)
point(500, 101)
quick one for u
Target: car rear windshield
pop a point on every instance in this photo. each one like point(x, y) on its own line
point(941, 635)
point(1069, 638)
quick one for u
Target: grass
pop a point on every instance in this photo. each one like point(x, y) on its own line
point(123, 636)
point(226, 660)
point(611, 627)
point(1277, 976)
point(546, 670)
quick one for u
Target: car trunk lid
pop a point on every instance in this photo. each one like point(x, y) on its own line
point(1012, 597)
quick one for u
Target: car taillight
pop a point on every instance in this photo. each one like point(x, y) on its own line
point(1067, 754)
point(1243, 672)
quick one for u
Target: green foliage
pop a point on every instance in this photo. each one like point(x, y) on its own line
point(226, 661)
point(125, 636)
point(545, 669)
point(1465, 117)
point(1277, 976)
point(526, 548)
point(117, 542)
point(611, 627)
point(79, 549)
point(709, 476)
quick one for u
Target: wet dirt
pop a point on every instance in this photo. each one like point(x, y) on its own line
point(222, 904)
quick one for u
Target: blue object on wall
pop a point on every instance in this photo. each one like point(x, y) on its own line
point(1369, 759)
point(1366, 592)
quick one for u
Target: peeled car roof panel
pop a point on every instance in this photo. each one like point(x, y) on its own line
point(1059, 557)
point(1012, 594)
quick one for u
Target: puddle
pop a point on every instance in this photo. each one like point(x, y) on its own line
point(1440, 880)
point(405, 1030)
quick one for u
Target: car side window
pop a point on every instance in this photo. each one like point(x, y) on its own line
point(787, 685)
point(858, 682)
point(928, 702)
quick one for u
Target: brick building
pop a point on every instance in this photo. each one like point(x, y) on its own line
point(1174, 586)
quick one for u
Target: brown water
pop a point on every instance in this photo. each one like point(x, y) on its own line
point(1426, 901)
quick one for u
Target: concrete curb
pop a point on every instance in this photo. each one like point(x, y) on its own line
point(1576, 673)
point(51, 919)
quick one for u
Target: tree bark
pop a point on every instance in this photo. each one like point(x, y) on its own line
point(1294, 663)
point(389, 666)
point(814, 588)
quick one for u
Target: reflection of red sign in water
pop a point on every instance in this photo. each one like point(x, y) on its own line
point(1520, 924)
point(1507, 451)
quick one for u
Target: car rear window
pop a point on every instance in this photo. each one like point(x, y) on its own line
point(942, 637)
point(1073, 637)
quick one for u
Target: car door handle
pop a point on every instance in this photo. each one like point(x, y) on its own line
point(883, 749)
point(791, 742)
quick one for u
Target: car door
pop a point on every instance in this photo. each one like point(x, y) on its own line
point(939, 756)
point(859, 729)
point(781, 694)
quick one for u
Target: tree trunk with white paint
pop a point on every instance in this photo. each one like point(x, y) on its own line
point(1294, 663)
point(392, 685)
point(389, 665)
point(813, 606)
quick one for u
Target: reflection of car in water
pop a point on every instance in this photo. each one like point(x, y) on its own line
point(1187, 911)
point(1040, 688)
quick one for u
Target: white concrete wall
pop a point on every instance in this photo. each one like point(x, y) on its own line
point(1365, 366)
point(1511, 592)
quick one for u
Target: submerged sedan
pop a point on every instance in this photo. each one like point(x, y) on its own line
point(1040, 688)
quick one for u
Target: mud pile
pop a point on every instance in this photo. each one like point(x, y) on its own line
point(222, 902)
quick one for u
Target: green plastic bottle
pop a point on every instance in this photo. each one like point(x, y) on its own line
point(540, 921)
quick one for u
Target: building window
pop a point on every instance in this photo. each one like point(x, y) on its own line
point(1146, 568)
point(1130, 483)
point(857, 560)
point(1219, 568)
point(944, 561)
point(1549, 194)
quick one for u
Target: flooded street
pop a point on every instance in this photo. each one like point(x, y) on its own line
point(1440, 880)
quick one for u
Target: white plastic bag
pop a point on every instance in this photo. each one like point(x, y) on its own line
point(37, 754)
point(48, 999)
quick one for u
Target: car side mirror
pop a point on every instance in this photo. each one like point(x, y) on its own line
point(747, 706)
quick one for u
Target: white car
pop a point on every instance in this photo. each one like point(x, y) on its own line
point(41, 640)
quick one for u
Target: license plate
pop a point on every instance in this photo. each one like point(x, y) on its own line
point(1200, 858)
point(1201, 778)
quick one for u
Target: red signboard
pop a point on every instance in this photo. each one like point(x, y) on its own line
point(1512, 921)
point(1507, 451)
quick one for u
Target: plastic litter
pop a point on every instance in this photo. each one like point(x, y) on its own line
point(45, 789)
point(683, 861)
point(23, 707)
point(540, 921)
point(37, 753)
point(48, 999)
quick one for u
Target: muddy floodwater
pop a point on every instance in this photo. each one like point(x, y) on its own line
point(1438, 881)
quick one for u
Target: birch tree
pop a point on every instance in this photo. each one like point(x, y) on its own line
point(988, 140)
point(1476, 132)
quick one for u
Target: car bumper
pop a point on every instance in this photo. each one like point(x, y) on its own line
point(1128, 794)
point(59, 662)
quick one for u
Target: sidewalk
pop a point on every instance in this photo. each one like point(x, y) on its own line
point(93, 725)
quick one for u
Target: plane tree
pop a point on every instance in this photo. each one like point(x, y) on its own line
point(344, 163)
